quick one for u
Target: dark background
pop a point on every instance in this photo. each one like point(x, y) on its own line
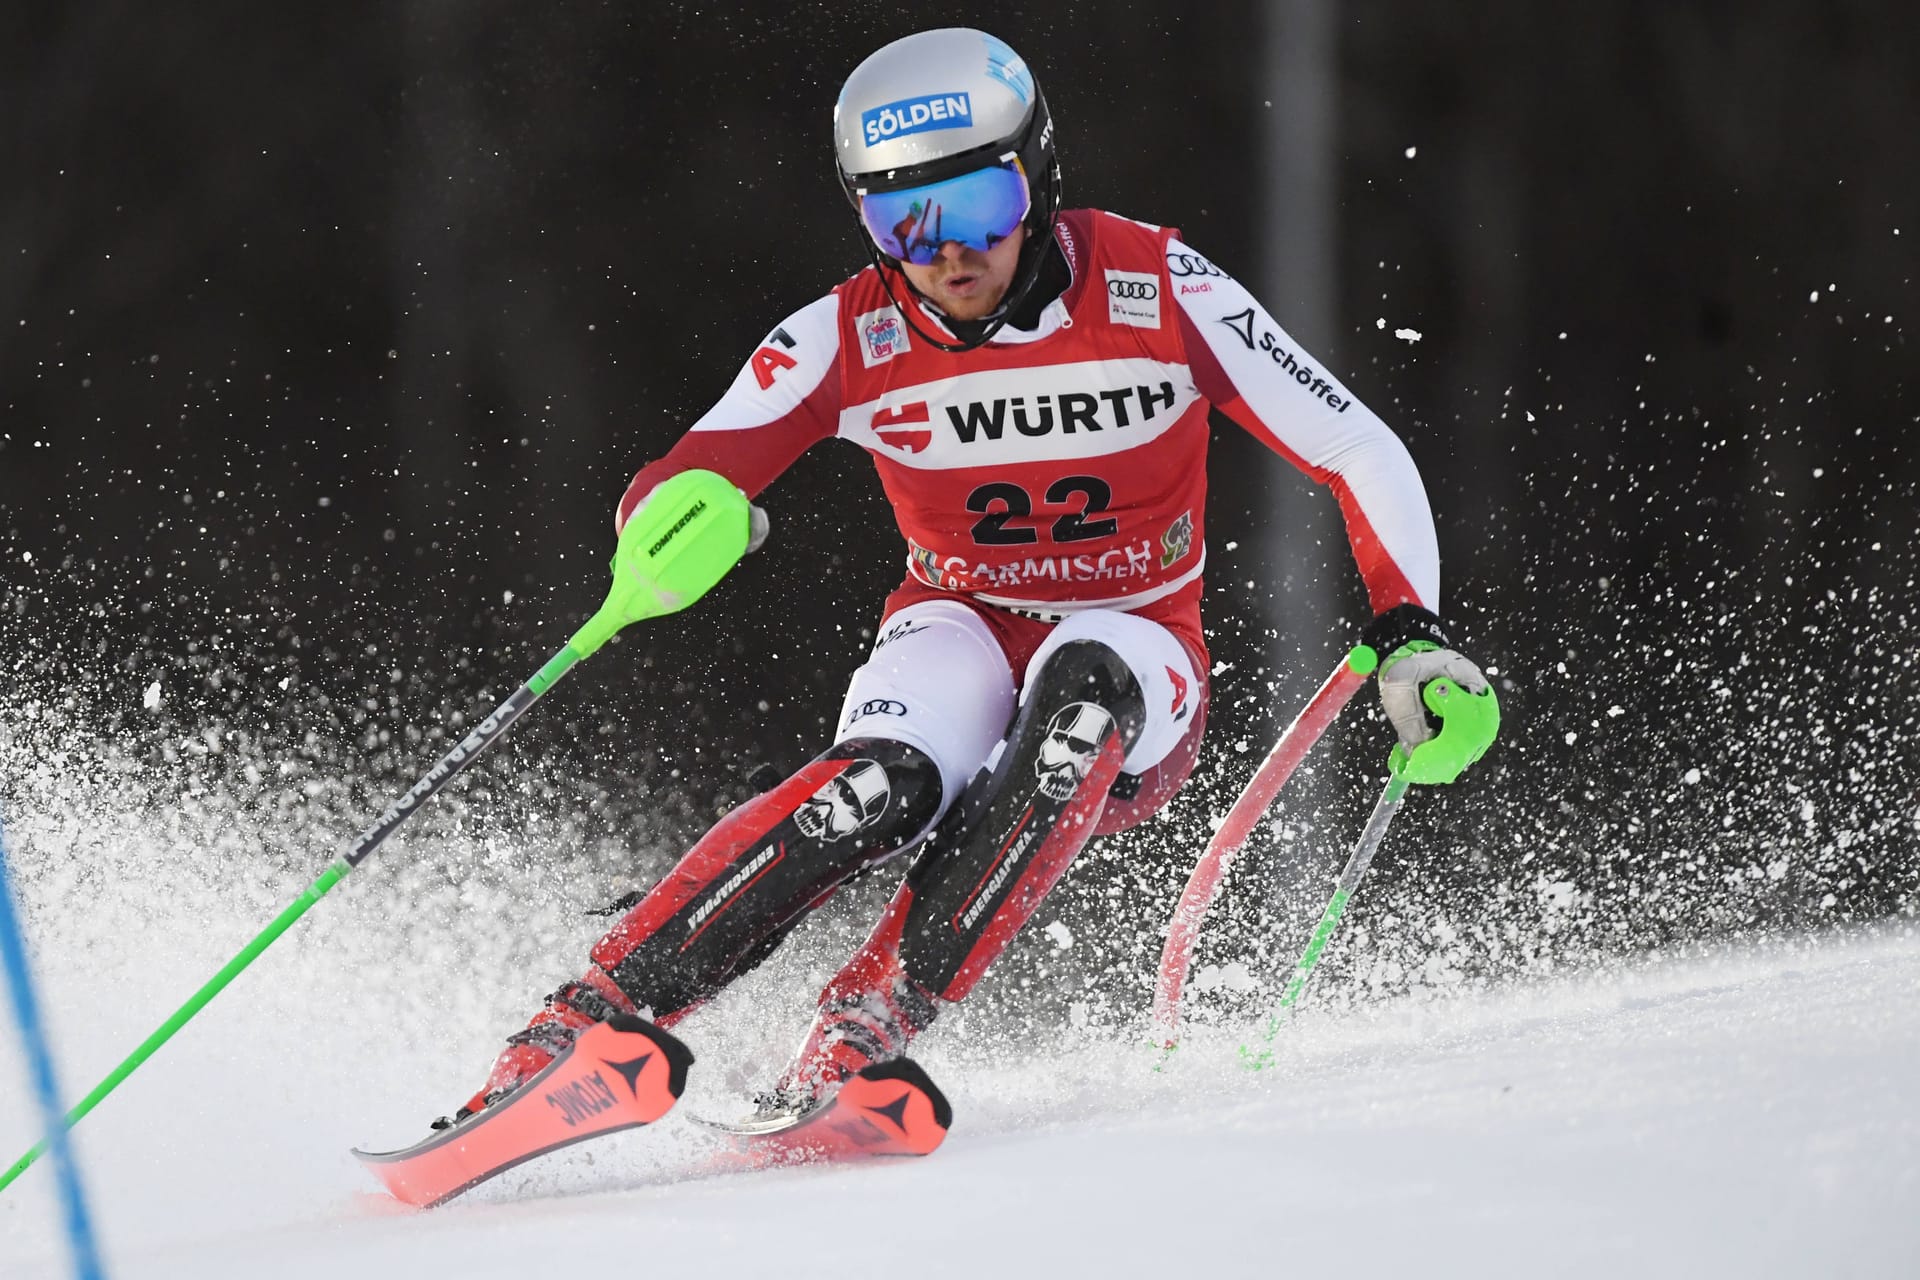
point(330, 335)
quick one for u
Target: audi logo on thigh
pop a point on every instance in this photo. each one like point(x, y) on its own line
point(877, 707)
point(1191, 264)
point(1140, 289)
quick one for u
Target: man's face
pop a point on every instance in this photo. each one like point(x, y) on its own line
point(966, 283)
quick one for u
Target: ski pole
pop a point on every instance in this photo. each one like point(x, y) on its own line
point(692, 530)
point(1376, 830)
point(1468, 723)
point(1208, 874)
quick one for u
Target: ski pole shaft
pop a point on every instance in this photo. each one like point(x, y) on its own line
point(1208, 874)
point(690, 533)
point(359, 851)
point(1363, 851)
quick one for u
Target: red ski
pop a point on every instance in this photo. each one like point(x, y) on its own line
point(619, 1074)
point(889, 1109)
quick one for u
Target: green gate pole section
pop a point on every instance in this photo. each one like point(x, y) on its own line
point(1468, 724)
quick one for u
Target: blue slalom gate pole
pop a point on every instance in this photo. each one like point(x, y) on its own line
point(13, 947)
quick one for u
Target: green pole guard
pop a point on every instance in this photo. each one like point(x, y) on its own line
point(1468, 724)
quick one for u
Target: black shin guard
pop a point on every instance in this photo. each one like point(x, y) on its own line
point(985, 869)
point(757, 872)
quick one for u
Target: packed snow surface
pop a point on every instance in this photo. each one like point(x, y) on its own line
point(1743, 1112)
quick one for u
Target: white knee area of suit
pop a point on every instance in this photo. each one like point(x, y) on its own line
point(938, 681)
point(1157, 660)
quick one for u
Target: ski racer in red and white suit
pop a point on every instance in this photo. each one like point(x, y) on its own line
point(1063, 469)
point(1038, 417)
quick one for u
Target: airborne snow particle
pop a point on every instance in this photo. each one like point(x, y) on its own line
point(1061, 935)
point(1411, 151)
point(1693, 776)
point(152, 700)
point(1407, 335)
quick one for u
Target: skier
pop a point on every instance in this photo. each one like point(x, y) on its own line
point(1033, 384)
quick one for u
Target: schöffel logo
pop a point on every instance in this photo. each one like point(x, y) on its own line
point(1133, 297)
point(1311, 380)
point(1064, 233)
point(916, 115)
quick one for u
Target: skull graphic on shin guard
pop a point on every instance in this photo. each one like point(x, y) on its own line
point(847, 803)
point(1073, 741)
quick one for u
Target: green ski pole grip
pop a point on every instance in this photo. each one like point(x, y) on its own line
point(686, 537)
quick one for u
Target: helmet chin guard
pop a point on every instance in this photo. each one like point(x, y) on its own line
point(929, 108)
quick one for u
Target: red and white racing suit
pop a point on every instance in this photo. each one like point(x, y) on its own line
point(1051, 484)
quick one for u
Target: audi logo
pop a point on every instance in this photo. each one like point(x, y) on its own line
point(1143, 290)
point(878, 707)
point(1191, 264)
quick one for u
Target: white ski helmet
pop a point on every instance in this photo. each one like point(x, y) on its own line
point(945, 136)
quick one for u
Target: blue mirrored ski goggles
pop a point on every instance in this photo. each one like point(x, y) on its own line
point(978, 210)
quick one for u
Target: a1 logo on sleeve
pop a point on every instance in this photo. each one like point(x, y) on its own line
point(1133, 297)
point(883, 335)
point(769, 360)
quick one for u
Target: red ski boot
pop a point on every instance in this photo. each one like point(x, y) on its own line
point(567, 1012)
point(868, 1014)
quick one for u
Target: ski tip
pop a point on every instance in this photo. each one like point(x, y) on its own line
point(891, 1108)
point(908, 1072)
point(679, 1057)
